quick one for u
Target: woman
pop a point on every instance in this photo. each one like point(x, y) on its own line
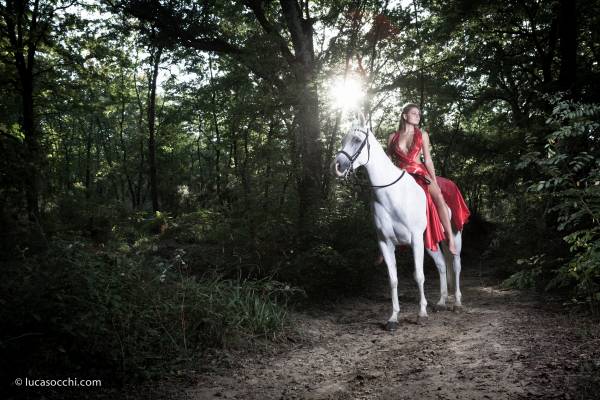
point(404, 147)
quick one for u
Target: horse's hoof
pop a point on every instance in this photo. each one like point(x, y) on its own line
point(391, 326)
point(422, 318)
point(458, 308)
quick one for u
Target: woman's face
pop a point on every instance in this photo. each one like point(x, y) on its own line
point(413, 116)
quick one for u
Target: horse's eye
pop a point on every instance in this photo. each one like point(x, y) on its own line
point(356, 140)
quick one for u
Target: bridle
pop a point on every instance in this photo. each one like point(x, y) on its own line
point(356, 154)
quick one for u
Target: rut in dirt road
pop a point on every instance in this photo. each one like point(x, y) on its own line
point(503, 345)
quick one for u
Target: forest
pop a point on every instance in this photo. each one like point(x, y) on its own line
point(166, 199)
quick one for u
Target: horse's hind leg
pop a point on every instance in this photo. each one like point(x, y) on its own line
point(440, 264)
point(417, 248)
point(387, 250)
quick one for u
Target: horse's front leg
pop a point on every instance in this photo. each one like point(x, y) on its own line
point(418, 249)
point(457, 268)
point(457, 293)
point(388, 251)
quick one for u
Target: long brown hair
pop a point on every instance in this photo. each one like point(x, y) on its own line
point(405, 109)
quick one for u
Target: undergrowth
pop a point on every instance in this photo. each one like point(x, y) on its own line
point(125, 311)
point(154, 294)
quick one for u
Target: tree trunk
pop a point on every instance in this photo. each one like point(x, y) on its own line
point(244, 175)
point(66, 145)
point(140, 180)
point(213, 98)
point(307, 116)
point(152, 130)
point(124, 157)
point(21, 37)
point(88, 161)
point(32, 145)
point(269, 161)
point(309, 186)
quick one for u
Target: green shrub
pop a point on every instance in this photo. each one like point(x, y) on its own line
point(114, 308)
point(570, 183)
point(528, 278)
point(583, 270)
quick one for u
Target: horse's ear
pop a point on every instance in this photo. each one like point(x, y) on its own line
point(361, 118)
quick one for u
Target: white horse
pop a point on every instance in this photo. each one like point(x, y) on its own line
point(399, 211)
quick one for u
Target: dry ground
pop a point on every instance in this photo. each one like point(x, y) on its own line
point(503, 345)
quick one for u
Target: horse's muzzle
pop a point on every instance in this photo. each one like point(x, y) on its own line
point(339, 166)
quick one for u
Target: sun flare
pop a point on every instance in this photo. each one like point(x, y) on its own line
point(346, 93)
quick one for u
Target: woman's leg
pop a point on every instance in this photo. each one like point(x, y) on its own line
point(442, 208)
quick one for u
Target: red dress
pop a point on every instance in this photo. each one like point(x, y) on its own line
point(434, 233)
point(454, 199)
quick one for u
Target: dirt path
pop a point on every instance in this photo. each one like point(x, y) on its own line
point(504, 345)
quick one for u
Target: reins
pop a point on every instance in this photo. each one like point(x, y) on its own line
point(389, 184)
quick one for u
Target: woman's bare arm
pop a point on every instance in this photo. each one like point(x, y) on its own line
point(427, 156)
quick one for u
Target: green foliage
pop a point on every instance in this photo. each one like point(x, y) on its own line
point(571, 170)
point(528, 278)
point(120, 287)
point(265, 246)
point(525, 279)
point(126, 309)
point(160, 291)
point(326, 273)
point(584, 268)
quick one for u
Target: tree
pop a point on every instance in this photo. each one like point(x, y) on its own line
point(155, 55)
point(293, 70)
point(27, 25)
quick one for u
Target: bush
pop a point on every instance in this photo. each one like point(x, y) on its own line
point(262, 247)
point(123, 312)
point(570, 183)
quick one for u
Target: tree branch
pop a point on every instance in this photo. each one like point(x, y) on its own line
point(194, 35)
point(172, 27)
point(293, 17)
point(257, 8)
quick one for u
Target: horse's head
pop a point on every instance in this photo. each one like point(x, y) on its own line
point(354, 151)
